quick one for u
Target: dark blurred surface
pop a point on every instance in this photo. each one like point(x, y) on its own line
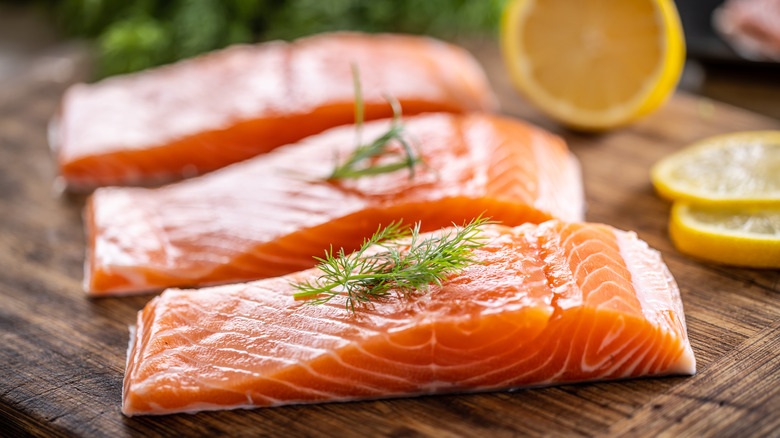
point(29, 44)
point(716, 71)
point(702, 41)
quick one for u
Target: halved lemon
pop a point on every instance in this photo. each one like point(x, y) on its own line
point(593, 64)
point(749, 237)
point(739, 169)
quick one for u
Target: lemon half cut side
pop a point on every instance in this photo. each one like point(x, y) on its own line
point(593, 64)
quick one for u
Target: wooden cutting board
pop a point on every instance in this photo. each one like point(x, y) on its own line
point(62, 355)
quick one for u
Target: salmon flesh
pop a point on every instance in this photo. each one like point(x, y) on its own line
point(204, 113)
point(268, 216)
point(546, 304)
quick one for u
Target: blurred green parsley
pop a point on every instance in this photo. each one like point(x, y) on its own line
point(133, 35)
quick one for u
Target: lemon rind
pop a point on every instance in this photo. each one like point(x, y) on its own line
point(735, 248)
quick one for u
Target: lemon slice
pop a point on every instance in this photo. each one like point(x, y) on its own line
point(593, 64)
point(728, 236)
point(732, 170)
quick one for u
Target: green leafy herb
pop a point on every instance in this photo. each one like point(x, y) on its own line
point(194, 26)
point(403, 263)
point(358, 102)
point(359, 162)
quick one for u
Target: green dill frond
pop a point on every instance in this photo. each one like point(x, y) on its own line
point(357, 164)
point(394, 260)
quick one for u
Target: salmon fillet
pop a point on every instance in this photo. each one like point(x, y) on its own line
point(210, 111)
point(547, 304)
point(268, 216)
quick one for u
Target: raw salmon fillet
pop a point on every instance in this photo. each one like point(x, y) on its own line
point(205, 113)
point(270, 215)
point(547, 304)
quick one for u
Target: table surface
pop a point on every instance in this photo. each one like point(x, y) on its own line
point(62, 355)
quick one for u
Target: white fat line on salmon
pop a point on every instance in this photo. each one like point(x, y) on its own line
point(631, 354)
point(613, 334)
point(652, 362)
point(339, 360)
point(605, 358)
point(647, 343)
point(638, 254)
point(515, 364)
point(275, 307)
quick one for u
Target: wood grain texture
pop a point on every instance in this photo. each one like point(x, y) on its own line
point(62, 355)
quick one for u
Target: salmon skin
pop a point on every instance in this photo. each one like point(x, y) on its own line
point(207, 112)
point(270, 215)
point(547, 304)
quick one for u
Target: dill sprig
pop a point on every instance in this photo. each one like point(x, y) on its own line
point(393, 259)
point(358, 163)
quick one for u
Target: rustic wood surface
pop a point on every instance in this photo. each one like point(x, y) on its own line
point(62, 355)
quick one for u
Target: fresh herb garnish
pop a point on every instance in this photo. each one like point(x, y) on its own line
point(358, 163)
point(403, 263)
